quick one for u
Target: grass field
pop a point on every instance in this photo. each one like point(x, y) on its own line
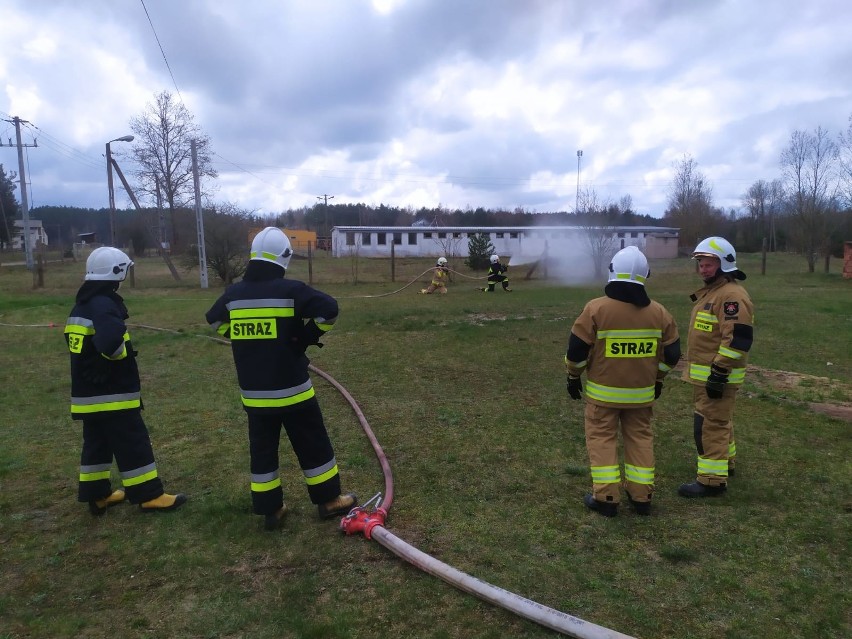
point(466, 394)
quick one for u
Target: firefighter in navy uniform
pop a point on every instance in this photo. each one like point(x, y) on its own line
point(720, 337)
point(105, 394)
point(626, 343)
point(495, 275)
point(271, 321)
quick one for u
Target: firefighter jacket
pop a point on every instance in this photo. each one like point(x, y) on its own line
point(439, 277)
point(495, 271)
point(270, 323)
point(104, 375)
point(720, 331)
point(624, 348)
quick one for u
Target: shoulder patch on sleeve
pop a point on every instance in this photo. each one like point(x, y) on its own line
point(731, 308)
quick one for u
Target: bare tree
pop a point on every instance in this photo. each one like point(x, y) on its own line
point(164, 133)
point(763, 203)
point(599, 229)
point(809, 164)
point(690, 202)
point(845, 164)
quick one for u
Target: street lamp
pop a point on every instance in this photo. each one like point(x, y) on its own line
point(577, 204)
point(123, 138)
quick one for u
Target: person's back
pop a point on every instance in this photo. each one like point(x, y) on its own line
point(626, 344)
point(624, 356)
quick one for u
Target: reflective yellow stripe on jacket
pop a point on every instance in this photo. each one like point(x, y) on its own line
point(615, 395)
point(277, 398)
point(104, 403)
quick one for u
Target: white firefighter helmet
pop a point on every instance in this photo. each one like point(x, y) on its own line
point(721, 248)
point(107, 264)
point(442, 261)
point(629, 265)
point(495, 259)
point(271, 245)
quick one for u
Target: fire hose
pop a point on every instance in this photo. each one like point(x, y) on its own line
point(369, 519)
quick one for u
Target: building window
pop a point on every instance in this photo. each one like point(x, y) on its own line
point(634, 234)
point(381, 239)
point(366, 239)
point(457, 235)
point(412, 239)
point(427, 236)
point(499, 236)
point(397, 239)
point(350, 239)
point(442, 236)
point(513, 235)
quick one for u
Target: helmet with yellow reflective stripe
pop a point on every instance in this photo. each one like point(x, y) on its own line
point(629, 265)
point(720, 247)
point(271, 245)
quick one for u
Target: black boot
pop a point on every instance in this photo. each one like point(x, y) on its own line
point(640, 507)
point(697, 489)
point(601, 507)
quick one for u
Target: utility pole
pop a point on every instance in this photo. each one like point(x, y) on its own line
point(577, 205)
point(110, 162)
point(199, 220)
point(325, 199)
point(25, 209)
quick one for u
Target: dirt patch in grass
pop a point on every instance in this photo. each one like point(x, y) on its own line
point(798, 386)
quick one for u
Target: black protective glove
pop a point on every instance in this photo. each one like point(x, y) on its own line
point(658, 390)
point(575, 388)
point(716, 382)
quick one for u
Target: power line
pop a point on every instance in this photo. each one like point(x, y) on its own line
point(161, 49)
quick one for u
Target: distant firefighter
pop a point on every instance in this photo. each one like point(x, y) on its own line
point(495, 275)
point(440, 275)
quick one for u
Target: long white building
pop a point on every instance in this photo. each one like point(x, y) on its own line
point(523, 243)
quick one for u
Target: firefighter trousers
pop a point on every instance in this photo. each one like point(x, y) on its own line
point(713, 428)
point(310, 442)
point(602, 428)
point(124, 436)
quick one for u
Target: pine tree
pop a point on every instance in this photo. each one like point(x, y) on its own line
point(8, 204)
point(480, 249)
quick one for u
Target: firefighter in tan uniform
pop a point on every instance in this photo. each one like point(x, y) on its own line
point(626, 343)
point(720, 337)
point(440, 275)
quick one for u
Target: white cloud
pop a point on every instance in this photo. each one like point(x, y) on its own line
point(480, 103)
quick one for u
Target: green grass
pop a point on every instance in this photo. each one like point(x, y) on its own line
point(466, 394)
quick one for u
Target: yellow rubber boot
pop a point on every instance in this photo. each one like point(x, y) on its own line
point(340, 505)
point(99, 506)
point(163, 503)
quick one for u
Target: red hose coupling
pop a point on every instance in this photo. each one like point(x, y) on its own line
point(359, 520)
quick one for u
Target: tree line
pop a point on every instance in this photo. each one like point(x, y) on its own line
point(807, 209)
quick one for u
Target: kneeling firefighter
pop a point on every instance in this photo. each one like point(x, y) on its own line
point(106, 393)
point(626, 344)
point(440, 275)
point(271, 321)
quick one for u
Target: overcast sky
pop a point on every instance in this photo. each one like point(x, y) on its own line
point(461, 103)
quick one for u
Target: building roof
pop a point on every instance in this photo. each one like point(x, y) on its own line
point(499, 229)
